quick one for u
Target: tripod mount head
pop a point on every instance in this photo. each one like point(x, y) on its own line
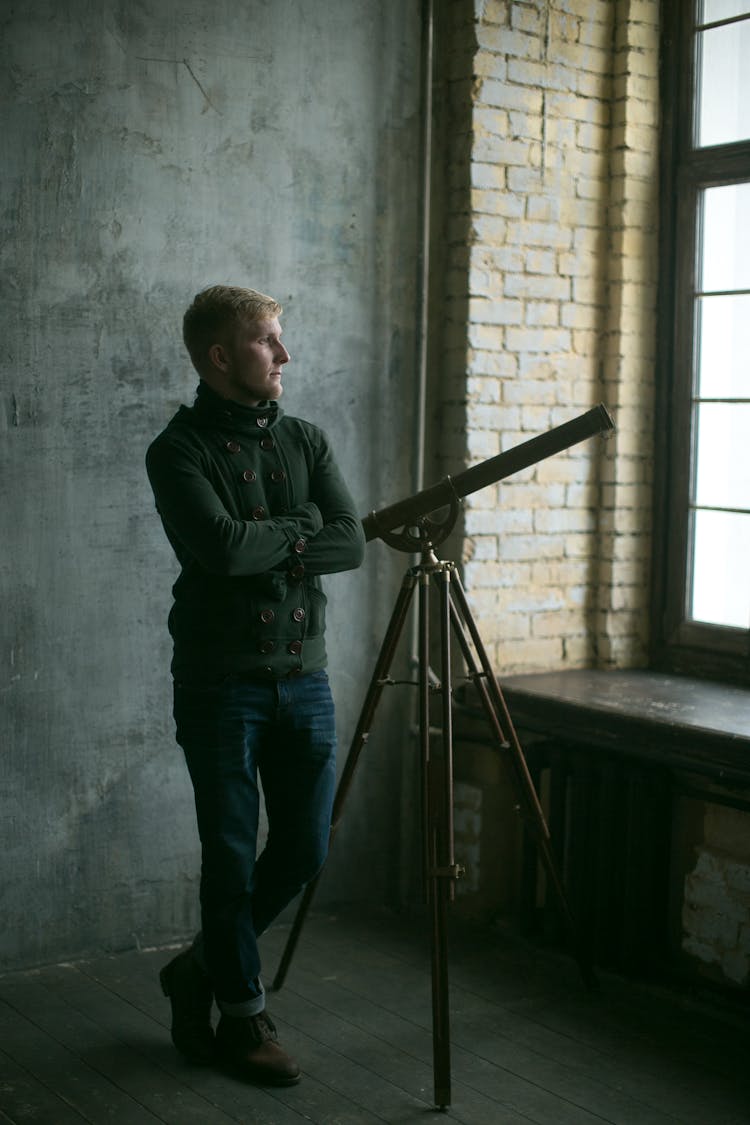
point(427, 518)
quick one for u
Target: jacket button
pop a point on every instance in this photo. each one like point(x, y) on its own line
point(297, 573)
point(262, 421)
point(267, 647)
point(267, 616)
point(295, 648)
point(268, 669)
point(278, 475)
point(298, 614)
point(299, 546)
point(267, 442)
point(249, 475)
point(233, 446)
point(258, 513)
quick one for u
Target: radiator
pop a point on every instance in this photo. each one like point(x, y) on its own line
point(610, 822)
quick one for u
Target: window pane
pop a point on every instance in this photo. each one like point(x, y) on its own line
point(724, 84)
point(724, 347)
point(714, 10)
point(726, 238)
point(721, 588)
point(723, 467)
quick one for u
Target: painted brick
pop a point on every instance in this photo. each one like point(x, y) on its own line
point(524, 179)
point(494, 11)
point(485, 64)
point(502, 151)
point(527, 19)
point(502, 41)
point(577, 315)
point(499, 259)
point(592, 164)
point(481, 444)
point(508, 96)
point(491, 363)
point(542, 76)
point(487, 175)
point(542, 601)
point(579, 265)
point(539, 234)
point(543, 208)
point(483, 547)
point(569, 107)
point(564, 27)
point(483, 389)
point(518, 493)
point(491, 120)
point(533, 656)
point(595, 33)
point(710, 927)
point(569, 231)
point(592, 137)
point(542, 313)
point(590, 85)
point(501, 203)
point(540, 261)
point(520, 548)
point(564, 520)
point(525, 126)
point(537, 287)
point(532, 392)
point(567, 622)
point(584, 56)
point(538, 339)
point(502, 311)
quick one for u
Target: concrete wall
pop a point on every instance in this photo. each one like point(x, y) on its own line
point(150, 150)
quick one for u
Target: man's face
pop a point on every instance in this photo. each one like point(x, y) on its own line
point(252, 361)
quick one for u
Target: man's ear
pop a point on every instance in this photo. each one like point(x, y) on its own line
point(218, 356)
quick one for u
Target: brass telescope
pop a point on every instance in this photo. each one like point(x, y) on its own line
point(407, 512)
point(418, 524)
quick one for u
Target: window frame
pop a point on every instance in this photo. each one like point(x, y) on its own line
point(680, 644)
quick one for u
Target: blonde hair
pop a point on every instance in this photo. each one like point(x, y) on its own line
point(214, 314)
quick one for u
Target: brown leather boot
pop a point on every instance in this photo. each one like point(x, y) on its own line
point(191, 996)
point(249, 1046)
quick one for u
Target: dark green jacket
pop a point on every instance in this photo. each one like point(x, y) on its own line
point(256, 510)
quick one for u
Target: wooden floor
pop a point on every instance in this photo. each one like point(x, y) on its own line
point(89, 1041)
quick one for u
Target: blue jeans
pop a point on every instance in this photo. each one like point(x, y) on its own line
point(232, 731)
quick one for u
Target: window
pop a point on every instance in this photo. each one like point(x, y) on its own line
point(702, 586)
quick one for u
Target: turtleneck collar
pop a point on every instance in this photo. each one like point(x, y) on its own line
point(223, 411)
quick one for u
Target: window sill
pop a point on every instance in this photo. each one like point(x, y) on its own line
point(674, 721)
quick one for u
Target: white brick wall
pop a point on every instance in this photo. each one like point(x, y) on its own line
point(716, 906)
point(556, 195)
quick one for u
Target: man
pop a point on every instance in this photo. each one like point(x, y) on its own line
point(256, 510)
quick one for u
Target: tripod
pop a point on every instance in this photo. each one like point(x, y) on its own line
point(436, 771)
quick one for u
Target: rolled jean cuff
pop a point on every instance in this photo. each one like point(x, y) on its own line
point(243, 1008)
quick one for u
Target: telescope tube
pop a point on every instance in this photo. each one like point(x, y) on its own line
point(404, 513)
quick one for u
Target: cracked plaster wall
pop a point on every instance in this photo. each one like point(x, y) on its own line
point(149, 151)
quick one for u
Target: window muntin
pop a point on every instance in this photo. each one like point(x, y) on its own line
point(719, 590)
point(702, 593)
point(724, 87)
point(723, 345)
point(711, 11)
point(721, 593)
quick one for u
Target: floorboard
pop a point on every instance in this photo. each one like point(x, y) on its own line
point(89, 1042)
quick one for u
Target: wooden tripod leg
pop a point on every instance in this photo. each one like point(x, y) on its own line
point(442, 865)
point(507, 739)
point(361, 735)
